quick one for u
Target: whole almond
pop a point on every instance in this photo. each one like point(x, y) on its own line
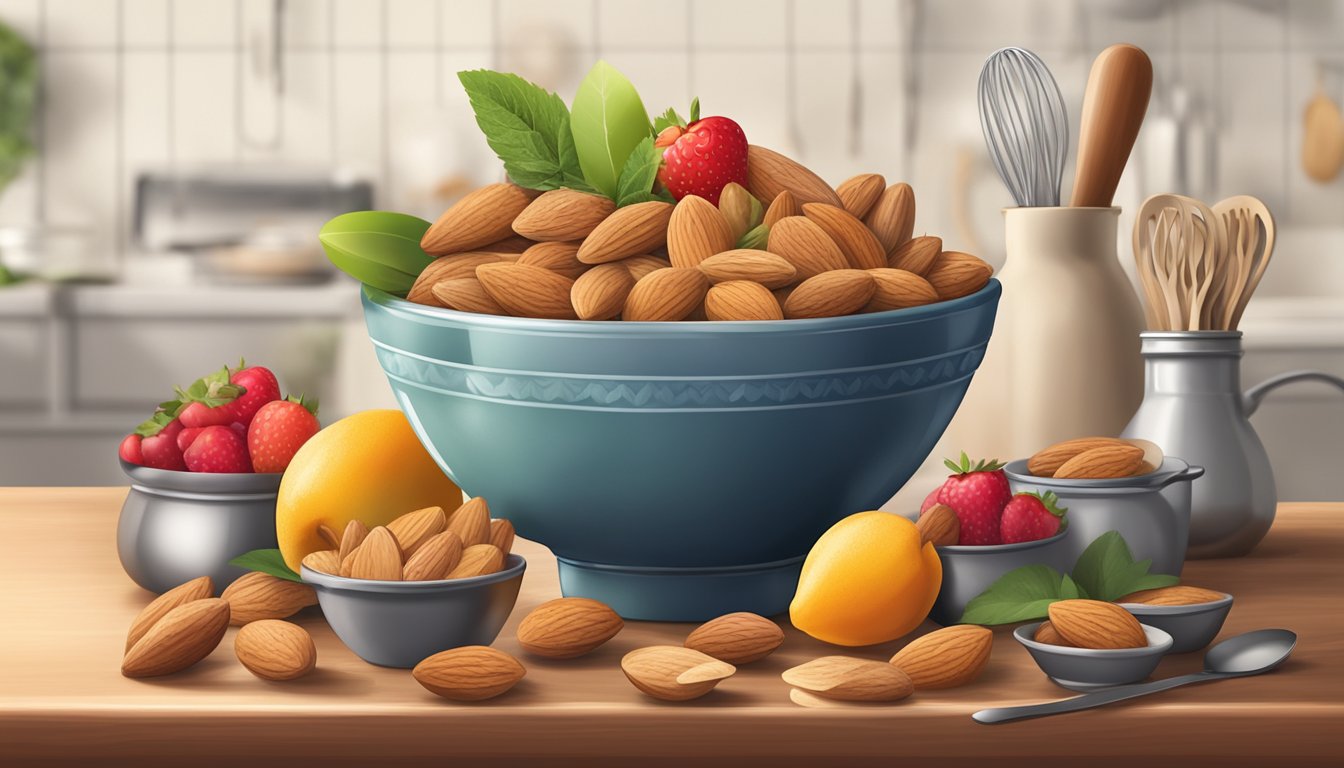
point(892, 217)
point(450, 267)
point(850, 679)
point(275, 650)
point(783, 206)
point(830, 294)
point(477, 560)
point(1179, 594)
point(328, 535)
point(563, 214)
point(435, 558)
point(183, 636)
point(414, 528)
point(898, 289)
point(568, 627)
point(256, 595)
point(324, 561)
point(955, 274)
point(666, 295)
point(806, 246)
point(630, 231)
point(740, 209)
point(600, 293)
point(946, 658)
point(917, 254)
point(466, 294)
point(858, 194)
point(1106, 461)
point(561, 258)
point(481, 217)
point(674, 673)
point(737, 638)
point(470, 673)
point(639, 266)
point(197, 589)
point(502, 535)
point(1044, 463)
point(939, 526)
point(1096, 624)
point(696, 231)
point(855, 241)
point(471, 522)
point(741, 300)
point(1046, 633)
point(352, 537)
point(769, 173)
point(527, 291)
point(378, 558)
point(762, 267)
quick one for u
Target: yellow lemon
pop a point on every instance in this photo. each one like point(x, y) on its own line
point(369, 467)
point(867, 580)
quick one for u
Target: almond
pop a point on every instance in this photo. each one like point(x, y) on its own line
point(939, 526)
point(737, 638)
point(275, 650)
point(1046, 633)
point(740, 209)
point(379, 557)
point(477, 560)
point(471, 522)
point(324, 561)
point(256, 595)
point(451, 267)
point(830, 294)
point(527, 291)
point(1179, 594)
point(563, 214)
point(783, 206)
point(762, 267)
point(858, 194)
point(502, 535)
point(481, 217)
point(892, 217)
point(696, 231)
point(568, 627)
point(197, 589)
point(438, 555)
point(741, 300)
point(600, 293)
point(1045, 462)
point(470, 673)
point(673, 673)
point(185, 635)
point(898, 289)
point(1106, 461)
point(850, 679)
point(414, 528)
point(665, 295)
point(1096, 624)
point(946, 658)
point(630, 231)
point(466, 294)
point(328, 535)
point(955, 274)
point(916, 254)
point(352, 537)
point(806, 246)
point(769, 173)
point(639, 266)
point(855, 241)
point(561, 258)
point(511, 245)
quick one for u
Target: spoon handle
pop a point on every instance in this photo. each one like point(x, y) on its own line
point(1089, 700)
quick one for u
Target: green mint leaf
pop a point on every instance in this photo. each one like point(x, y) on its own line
point(1069, 589)
point(755, 238)
point(570, 170)
point(639, 174)
point(667, 120)
point(267, 561)
point(378, 248)
point(695, 109)
point(608, 121)
point(1106, 567)
point(524, 124)
point(1019, 595)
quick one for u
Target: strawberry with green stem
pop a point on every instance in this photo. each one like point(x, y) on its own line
point(702, 156)
point(977, 491)
point(279, 430)
point(1032, 517)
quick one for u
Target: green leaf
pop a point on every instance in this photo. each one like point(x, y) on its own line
point(755, 238)
point(1019, 595)
point(377, 248)
point(608, 121)
point(667, 120)
point(1153, 581)
point(526, 125)
point(639, 174)
point(695, 109)
point(267, 561)
point(155, 424)
point(1106, 569)
point(570, 170)
point(309, 403)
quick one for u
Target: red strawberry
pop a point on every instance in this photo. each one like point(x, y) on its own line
point(1031, 517)
point(158, 444)
point(199, 415)
point(187, 436)
point(701, 157)
point(277, 432)
point(930, 500)
point(218, 449)
point(259, 388)
point(129, 450)
point(978, 493)
point(225, 397)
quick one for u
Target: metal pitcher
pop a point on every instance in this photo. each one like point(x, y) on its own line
point(1193, 407)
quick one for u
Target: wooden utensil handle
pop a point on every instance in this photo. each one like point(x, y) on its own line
point(1113, 108)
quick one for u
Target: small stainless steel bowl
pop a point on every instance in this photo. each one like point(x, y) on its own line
point(400, 623)
point(1191, 626)
point(968, 570)
point(1082, 669)
point(176, 526)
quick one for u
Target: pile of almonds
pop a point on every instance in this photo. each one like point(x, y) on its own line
point(1096, 624)
point(1095, 458)
point(785, 246)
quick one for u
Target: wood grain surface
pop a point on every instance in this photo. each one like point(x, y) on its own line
point(65, 606)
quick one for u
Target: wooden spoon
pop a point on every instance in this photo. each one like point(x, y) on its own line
point(1255, 248)
point(1113, 108)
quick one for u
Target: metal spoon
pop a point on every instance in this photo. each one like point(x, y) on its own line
point(1240, 656)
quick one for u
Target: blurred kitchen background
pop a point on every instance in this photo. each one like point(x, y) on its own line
point(184, 153)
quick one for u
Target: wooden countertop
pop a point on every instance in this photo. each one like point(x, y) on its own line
point(66, 606)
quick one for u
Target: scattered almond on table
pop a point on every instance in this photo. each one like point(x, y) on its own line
point(568, 627)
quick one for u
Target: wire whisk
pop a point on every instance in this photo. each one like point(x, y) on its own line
point(1025, 124)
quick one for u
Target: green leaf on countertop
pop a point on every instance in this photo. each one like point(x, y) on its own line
point(608, 121)
point(267, 561)
point(1107, 570)
point(755, 238)
point(638, 177)
point(378, 248)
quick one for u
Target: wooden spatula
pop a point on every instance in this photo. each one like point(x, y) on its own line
point(1113, 108)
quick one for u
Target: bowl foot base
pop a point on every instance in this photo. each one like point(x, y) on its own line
point(683, 594)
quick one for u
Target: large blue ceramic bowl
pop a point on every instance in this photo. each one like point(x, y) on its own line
point(680, 471)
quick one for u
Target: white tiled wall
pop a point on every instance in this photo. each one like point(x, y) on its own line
point(846, 85)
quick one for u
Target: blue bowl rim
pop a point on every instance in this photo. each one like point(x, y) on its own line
point(225, 483)
point(998, 549)
point(1024, 634)
point(1193, 609)
point(515, 566)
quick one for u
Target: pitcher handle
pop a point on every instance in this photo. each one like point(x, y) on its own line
point(1251, 398)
